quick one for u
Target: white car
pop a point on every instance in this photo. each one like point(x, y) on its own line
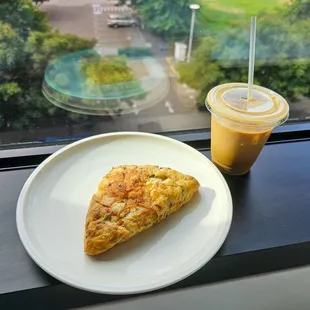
point(121, 21)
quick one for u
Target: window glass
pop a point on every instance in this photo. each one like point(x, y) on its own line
point(74, 68)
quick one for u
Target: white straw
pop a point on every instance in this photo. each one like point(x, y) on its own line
point(252, 56)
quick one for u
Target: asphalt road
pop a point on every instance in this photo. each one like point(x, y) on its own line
point(78, 17)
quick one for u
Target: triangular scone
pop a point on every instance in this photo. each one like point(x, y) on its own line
point(129, 200)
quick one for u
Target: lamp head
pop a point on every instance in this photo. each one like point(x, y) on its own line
point(194, 6)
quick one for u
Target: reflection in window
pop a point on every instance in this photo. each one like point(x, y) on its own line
point(72, 68)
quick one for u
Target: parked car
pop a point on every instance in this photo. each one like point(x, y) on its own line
point(39, 2)
point(121, 21)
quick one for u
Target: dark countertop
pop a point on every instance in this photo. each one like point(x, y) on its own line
point(270, 231)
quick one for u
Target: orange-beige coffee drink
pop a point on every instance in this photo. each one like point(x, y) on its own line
point(241, 127)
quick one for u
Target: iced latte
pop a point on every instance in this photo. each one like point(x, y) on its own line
point(241, 127)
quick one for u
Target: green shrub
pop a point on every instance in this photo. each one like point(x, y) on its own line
point(282, 59)
point(108, 70)
point(27, 45)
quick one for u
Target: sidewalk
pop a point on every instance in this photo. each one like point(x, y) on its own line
point(186, 95)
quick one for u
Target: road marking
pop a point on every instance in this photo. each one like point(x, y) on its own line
point(307, 117)
point(97, 9)
point(171, 66)
point(168, 105)
point(294, 119)
point(117, 9)
point(135, 109)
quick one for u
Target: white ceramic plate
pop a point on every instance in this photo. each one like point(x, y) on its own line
point(53, 204)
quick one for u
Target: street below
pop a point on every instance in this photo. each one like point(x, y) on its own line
point(88, 19)
point(177, 109)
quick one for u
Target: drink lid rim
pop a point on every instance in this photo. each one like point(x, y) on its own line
point(222, 110)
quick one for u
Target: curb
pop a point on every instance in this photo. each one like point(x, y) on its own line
point(171, 66)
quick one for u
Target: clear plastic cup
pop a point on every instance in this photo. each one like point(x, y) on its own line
point(240, 128)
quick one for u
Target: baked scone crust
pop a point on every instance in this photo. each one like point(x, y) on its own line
point(130, 199)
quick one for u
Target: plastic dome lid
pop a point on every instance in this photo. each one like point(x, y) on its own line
point(229, 101)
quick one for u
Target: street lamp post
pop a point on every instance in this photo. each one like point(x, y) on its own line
point(193, 7)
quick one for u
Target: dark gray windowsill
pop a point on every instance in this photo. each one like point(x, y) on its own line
point(269, 232)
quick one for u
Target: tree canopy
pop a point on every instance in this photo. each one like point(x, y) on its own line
point(171, 19)
point(23, 16)
point(27, 44)
point(299, 10)
point(282, 58)
point(11, 52)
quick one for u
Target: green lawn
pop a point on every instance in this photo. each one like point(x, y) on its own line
point(249, 6)
point(216, 15)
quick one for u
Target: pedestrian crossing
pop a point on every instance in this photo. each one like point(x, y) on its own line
point(98, 9)
point(117, 9)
